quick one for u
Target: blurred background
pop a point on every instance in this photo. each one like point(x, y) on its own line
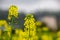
point(47, 11)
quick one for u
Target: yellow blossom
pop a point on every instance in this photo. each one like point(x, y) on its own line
point(45, 37)
point(58, 34)
point(45, 28)
point(58, 39)
point(38, 23)
point(13, 10)
point(3, 23)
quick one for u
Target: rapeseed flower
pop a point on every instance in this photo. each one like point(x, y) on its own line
point(13, 10)
point(58, 34)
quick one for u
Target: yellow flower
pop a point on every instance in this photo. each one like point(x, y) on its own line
point(30, 27)
point(32, 33)
point(50, 37)
point(58, 34)
point(13, 10)
point(28, 16)
point(9, 34)
point(58, 38)
point(45, 37)
point(22, 35)
point(38, 23)
point(0, 32)
point(3, 23)
point(17, 31)
point(9, 17)
point(45, 29)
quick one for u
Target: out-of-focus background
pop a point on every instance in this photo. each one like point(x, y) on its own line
point(41, 23)
point(47, 11)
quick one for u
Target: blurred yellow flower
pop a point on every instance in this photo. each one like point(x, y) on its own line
point(58, 39)
point(30, 27)
point(44, 37)
point(3, 23)
point(17, 31)
point(13, 10)
point(38, 23)
point(58, 34)
point(45, 28)
point(0, 32)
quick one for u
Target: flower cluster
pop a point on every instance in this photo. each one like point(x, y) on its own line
point(58, 35)
point(3, 23)
point(46, 34)
point(13, 11)
point(30, 27)
point(4, 28)
point(31, 31)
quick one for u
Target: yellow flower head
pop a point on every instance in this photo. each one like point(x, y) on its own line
point(45, 37)
point(58, 34)
point(45, 28)
point(38, 23)
point(58, 38)
point(13, 10)
point(28, 16)
point(3, 23)
point(17, 31)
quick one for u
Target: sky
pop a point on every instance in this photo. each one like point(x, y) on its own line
point(31, 5)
